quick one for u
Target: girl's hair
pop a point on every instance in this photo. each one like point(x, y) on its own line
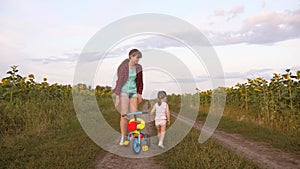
point(135, 52)
point(161, 95)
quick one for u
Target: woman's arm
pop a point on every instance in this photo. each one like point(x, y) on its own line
point(139, 82)
point(122, 73)
point(139, 98)
point(117, 101)
point(118, 87)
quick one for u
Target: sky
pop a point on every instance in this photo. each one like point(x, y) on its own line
point(251, 38)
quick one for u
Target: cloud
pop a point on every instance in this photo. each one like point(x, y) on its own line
point(230, 14)
point(159, 41)
point(263, 3)
point(235, 11)
point(71, 30)
point(182, 80)
point(253, 73)
point(265, 28)
point(68, 56)
point(79, 56)
point(219, 12)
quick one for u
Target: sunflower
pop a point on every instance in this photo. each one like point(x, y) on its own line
point(31, 76)
point(4, 80)
point(276, 75)
point(259, 80)
point(23, 79)
point(257, 90)
point(287, 77)
point(228, 89)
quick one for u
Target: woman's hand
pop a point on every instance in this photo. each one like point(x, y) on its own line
point(168, 122)
point(117, 101)
point(139, 99)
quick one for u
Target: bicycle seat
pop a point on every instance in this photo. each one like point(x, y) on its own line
point(139, 122)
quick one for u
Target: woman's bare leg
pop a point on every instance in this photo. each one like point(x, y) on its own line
point(123, 120)
point(133, 105)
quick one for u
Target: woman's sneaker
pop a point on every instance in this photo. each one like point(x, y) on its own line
point(122, 141)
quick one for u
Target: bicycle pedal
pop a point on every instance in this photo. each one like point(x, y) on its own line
point(145, 148)
point(126, 143)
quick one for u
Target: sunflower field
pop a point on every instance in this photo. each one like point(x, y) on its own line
point(273, 103)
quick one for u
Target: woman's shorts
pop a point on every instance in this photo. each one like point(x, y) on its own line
point(129, 95)
point(160, 122)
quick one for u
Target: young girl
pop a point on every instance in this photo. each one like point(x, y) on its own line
point(162, 116)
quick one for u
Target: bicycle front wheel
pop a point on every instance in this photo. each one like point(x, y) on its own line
point(135, 145)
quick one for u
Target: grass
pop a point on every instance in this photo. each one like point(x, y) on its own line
point(51, 136)
point(69, 147)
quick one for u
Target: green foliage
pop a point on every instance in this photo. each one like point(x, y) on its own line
point(26, 104)
point(39, 127)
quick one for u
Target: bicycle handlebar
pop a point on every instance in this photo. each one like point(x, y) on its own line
point(134, 113)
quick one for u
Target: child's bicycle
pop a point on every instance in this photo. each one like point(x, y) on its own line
point(138, 139)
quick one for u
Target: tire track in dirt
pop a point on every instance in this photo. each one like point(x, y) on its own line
point(261, 153)
point(110, 160)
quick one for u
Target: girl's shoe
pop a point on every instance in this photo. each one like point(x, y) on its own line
point(161, 146)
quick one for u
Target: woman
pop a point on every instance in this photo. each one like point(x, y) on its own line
point(129, 87)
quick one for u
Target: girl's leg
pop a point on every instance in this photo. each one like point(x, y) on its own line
point(158, 128)
point(123, 120)
point(162, 135)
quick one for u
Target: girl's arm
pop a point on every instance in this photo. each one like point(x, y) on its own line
point(152, 113)
point(168, 114)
